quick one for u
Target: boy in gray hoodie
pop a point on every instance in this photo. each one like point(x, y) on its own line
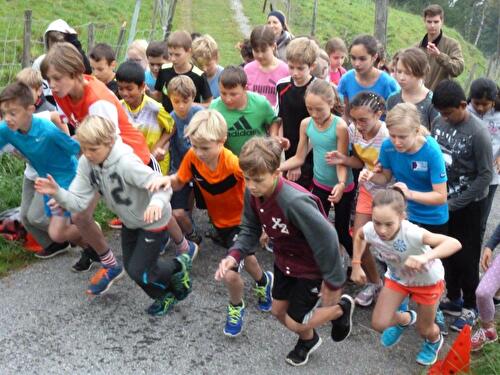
point(110, 167)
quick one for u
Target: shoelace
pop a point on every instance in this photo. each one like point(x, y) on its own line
point(98, 276)
point(479, 335)
point(260, 292)
point(234, 314)
point(167, 302)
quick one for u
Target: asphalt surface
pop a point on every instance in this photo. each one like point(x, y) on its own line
point(49, 326)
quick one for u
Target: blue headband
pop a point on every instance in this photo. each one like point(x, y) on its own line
point(280, 16)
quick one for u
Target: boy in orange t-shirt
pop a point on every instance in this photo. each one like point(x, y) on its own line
point(216, 172)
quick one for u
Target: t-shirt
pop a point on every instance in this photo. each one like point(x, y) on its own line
point(264, 83)
point(427, 111)
point(150, 80)
point(419, 171)
point(469, 162)
point(222, 189)
point(245, 123)
point(395, 252)
point(213, 82)
point(291, 108)
point(179, 144)
point(46, 147)
point(167, 72)
point(385, 85)
point(98, 100)
point(152, 120)
point(335, 76)
point(368, 150)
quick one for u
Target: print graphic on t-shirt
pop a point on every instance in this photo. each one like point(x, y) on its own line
point(241, 128)
point(277, 224)
point(265, 89)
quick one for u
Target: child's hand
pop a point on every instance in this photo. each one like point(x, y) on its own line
point(365, 175)
point(486, 258)
point(158, 183)
point(225, 265)
point(335, 158)
point(284, 143)
point(336, 193)
point(378, 167)
point(293, 174)
point(416, 262)
point(358, 275)
point(46, 185)
point(404, 188)
point(159, 153)
point(497, 164)
point(152, 214)
point(263, 240)
point(55, 208)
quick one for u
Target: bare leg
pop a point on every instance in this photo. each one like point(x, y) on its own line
point(253, 268)
point(234, 284)
point(183, 220)
point(61, 230)
point(385, 314)
point(425, 322)
point(88, 228)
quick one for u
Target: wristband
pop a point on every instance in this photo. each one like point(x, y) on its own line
point(356, 262)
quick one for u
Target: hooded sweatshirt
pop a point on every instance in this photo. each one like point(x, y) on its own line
point(121, 181)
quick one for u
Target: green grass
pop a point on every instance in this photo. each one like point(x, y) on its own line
point(404, 29)
point(487, 362)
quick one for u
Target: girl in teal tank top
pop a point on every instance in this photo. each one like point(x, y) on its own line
point(324, 132)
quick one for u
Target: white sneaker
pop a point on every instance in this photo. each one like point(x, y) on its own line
point(368, 294)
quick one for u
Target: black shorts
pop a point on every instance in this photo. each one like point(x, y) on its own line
point(301, 294)
point(180, 199)
point(227, 236)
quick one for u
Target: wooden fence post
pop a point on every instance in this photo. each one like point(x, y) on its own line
point(26, 59)
point(381, 15)
point(314, 16)
point(90, 36)
point(170, 18)
point(121, 39)
point(133, 25)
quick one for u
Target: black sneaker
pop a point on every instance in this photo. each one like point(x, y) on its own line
point(55, 248)
point(194, 236)
point(300, 354)
point(85, 262)
point(341, 327)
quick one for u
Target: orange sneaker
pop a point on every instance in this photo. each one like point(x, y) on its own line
point(115, 223)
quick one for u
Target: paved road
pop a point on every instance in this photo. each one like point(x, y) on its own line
point(49, 326)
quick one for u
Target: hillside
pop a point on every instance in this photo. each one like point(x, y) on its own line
point(215, 17)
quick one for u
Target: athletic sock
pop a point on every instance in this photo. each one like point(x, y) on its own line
point(263, 280)
point(236, 304)
point(108, 259)
point(182, 247)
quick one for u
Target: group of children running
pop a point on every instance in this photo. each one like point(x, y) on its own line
point(268, 149)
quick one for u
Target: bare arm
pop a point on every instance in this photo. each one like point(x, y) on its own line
point(436, 197)
point(302, 149)
point(359, 247)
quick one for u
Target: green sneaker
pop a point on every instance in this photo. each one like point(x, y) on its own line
point(162, 306)
point(181, 281)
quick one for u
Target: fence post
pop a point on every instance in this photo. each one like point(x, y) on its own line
point(26, 60)
point(170, 18)
point(288, 10)
point(315, 13)
point(381, 15)
point(133, 25)
point(121, 38)
point(90, 36)
point(156, 7)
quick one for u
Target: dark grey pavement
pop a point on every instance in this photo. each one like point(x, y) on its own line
point(49, 326)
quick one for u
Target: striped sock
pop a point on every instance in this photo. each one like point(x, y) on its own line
point(182, 247)
point(108, 259)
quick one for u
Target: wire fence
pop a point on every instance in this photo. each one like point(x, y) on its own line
point(22, 42)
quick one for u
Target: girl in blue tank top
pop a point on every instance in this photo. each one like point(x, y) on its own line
point(324, 132)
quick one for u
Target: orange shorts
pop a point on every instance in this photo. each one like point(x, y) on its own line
point(365, 199)
point(424, 295)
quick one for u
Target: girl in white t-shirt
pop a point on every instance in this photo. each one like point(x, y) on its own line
point(413, 269)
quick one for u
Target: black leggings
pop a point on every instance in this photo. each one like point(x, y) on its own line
point(342, 214)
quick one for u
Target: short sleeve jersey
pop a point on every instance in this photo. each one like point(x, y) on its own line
point(419, 171)
point(385, 85)
point(245, 123)
point(427, 111)
point(408, 241)
point(167, 73)
point(98, 100)
point(264, 83)
point(213, 82)
point(222, 188)
point(152, 120)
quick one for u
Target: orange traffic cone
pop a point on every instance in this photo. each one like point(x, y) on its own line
point(458, 358)
point(31, 244)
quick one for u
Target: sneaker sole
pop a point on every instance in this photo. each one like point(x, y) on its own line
point(484, 343)
point(229, 334)
point(272, 284)
point(362, 303)
point(58, 252)
point(115, 226)
point(290, 362)
point(350, 315)
point(196, 250)
point(83, 271)
point(119, 276)
point(452, 313)
point(437, 355)
point(458, 329)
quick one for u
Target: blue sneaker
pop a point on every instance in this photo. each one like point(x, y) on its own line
point(441, 322)
point(263, 293)
point(103, 279)
point(451, 307)
point(392, 335)
point(234, 320)
point(162, 306)
point(192, 250)
point(429, 353)
point(405, 305)
point(181, 281)
point(467, 317)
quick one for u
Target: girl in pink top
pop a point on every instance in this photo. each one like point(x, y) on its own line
point(266, 70)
